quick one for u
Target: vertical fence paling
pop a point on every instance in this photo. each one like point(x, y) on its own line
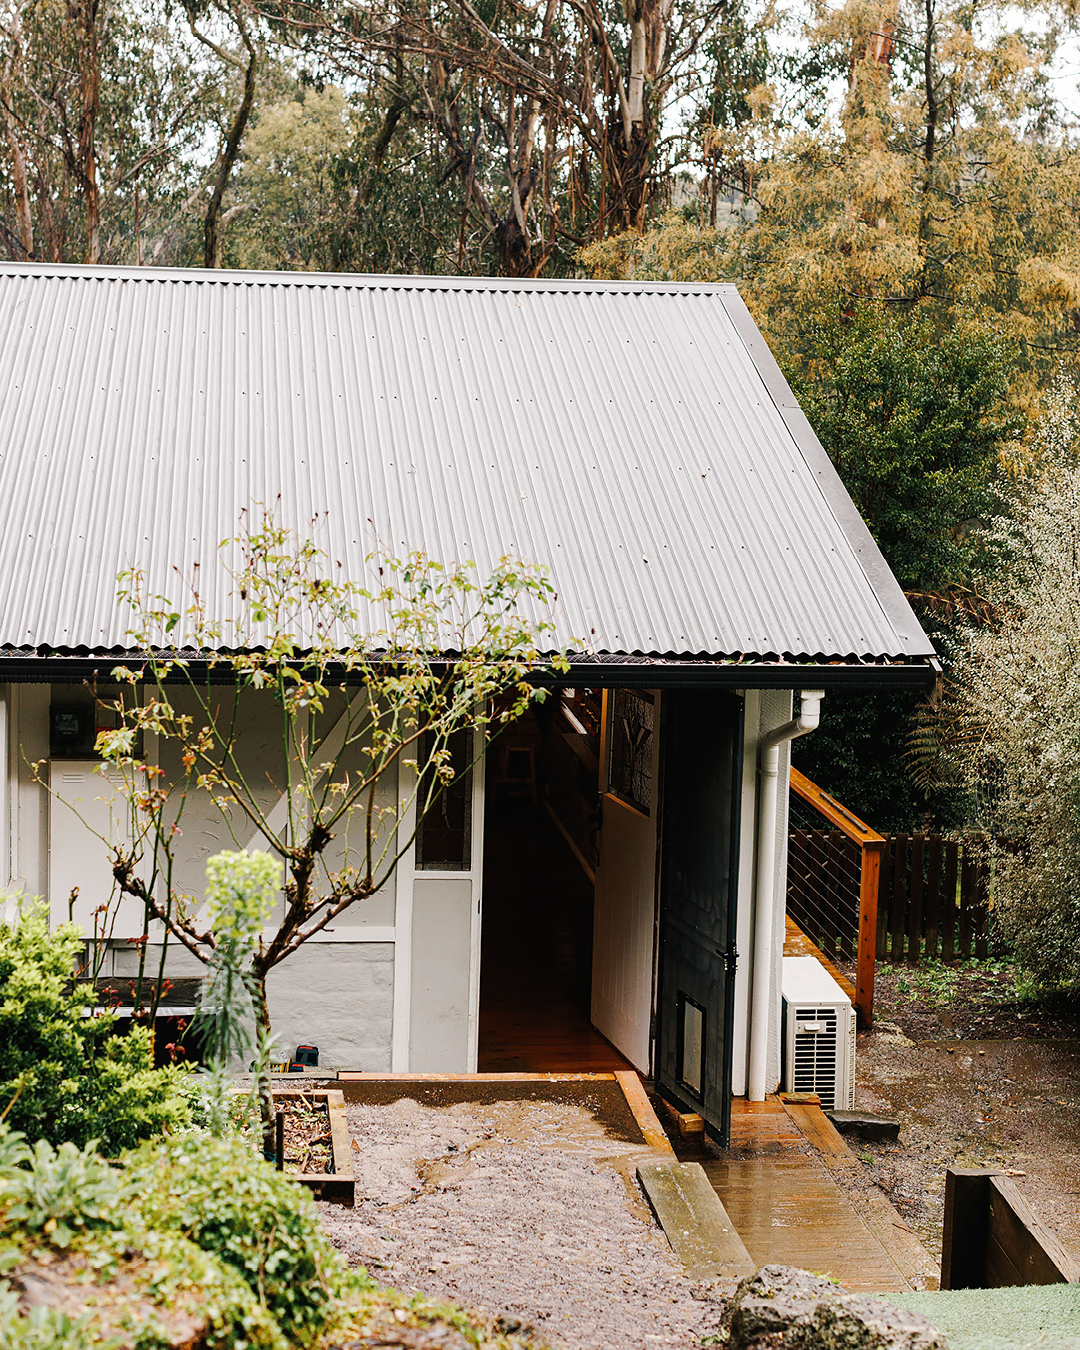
point(834, 881)
point(934, 899)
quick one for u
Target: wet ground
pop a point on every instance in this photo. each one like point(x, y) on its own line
point(525, 1210)
point(978, 1078)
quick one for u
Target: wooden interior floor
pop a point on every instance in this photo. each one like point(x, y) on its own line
point(778, 1183)
point(536, 951)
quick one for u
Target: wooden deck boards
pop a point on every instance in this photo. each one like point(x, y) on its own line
point(796, 943)
point(778, 1184)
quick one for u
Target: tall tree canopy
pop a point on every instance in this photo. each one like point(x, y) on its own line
point(946, 182)
point(499, 137)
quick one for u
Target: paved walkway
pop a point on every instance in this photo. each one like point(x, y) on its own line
point(779, 1184)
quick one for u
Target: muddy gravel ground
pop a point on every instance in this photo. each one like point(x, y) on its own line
point(978, 1078)
point(522, 1210)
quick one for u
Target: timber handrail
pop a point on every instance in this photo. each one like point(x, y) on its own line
point(872, 846)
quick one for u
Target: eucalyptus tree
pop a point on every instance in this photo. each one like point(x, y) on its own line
point(105, 107)
point(944, 181)
point(559, 121)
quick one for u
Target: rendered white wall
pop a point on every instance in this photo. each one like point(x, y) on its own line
point(337, 996)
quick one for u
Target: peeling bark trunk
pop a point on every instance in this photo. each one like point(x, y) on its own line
point(213, 236)
point(19, 178)
point(87, 23)
point(933, 113)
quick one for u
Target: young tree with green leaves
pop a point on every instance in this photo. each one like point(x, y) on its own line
point(369, 692)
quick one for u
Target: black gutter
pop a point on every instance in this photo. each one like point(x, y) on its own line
point(644, 673)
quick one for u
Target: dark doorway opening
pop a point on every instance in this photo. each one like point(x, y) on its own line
point(537, 931)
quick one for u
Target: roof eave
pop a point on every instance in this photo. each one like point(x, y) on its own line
point(609, 671)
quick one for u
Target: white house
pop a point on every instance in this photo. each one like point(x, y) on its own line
point(637, 439)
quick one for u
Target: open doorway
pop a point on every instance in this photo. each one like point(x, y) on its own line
point(541, 836)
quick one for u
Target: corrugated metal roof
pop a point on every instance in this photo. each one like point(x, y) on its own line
point(636, 439)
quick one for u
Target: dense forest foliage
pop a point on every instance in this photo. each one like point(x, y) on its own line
point(893, 184)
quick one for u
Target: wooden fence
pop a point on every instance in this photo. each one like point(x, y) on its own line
point(932, 895)
point(933, 900)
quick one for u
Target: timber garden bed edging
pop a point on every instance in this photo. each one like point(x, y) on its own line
point(338, 1185)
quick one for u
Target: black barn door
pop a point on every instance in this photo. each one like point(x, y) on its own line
point(701, 741)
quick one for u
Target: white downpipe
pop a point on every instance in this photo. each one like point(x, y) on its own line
point(765, 882)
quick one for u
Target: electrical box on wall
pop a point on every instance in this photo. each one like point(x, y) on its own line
point(819, 1034)
point(72, 730)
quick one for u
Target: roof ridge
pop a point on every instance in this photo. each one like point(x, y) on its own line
point(382, 281)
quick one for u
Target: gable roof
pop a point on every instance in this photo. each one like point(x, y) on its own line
point(638, 439)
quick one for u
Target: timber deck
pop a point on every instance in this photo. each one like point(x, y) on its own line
point(796, 943)
point(779, 1184)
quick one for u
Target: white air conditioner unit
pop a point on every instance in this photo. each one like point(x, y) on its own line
point(819, 1034)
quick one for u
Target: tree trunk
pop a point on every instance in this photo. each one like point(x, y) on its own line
point(87, 25)
point(18, 158)
point(933, 112)
point(264, 1083)
point(212, 234)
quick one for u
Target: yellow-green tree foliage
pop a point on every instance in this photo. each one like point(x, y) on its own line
point(945, 180)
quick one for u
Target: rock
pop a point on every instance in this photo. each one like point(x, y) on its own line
point(874, 1129)
point(781, 1308)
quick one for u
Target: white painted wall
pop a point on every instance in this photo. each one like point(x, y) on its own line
point(624, 920)
point(764, 710)
point(28, 801)
point(87, 806)
point(338, 992)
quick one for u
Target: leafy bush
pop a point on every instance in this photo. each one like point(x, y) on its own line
point(248, 1216)
point(1012, 718)
point(63, 1192)
point(65, 1070)
point(191, 1225)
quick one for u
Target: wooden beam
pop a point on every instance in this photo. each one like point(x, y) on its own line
point(992, 1240)
point(833, 811)
point(641, 1109)
point(348, 1076)
point(695, 1221)
point(869, 888)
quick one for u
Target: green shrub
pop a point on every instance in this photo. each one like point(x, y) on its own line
point(66, 1072)
point(46, 1328)
point(63, 1192)
point(247, 1215)
point(191, 1224)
